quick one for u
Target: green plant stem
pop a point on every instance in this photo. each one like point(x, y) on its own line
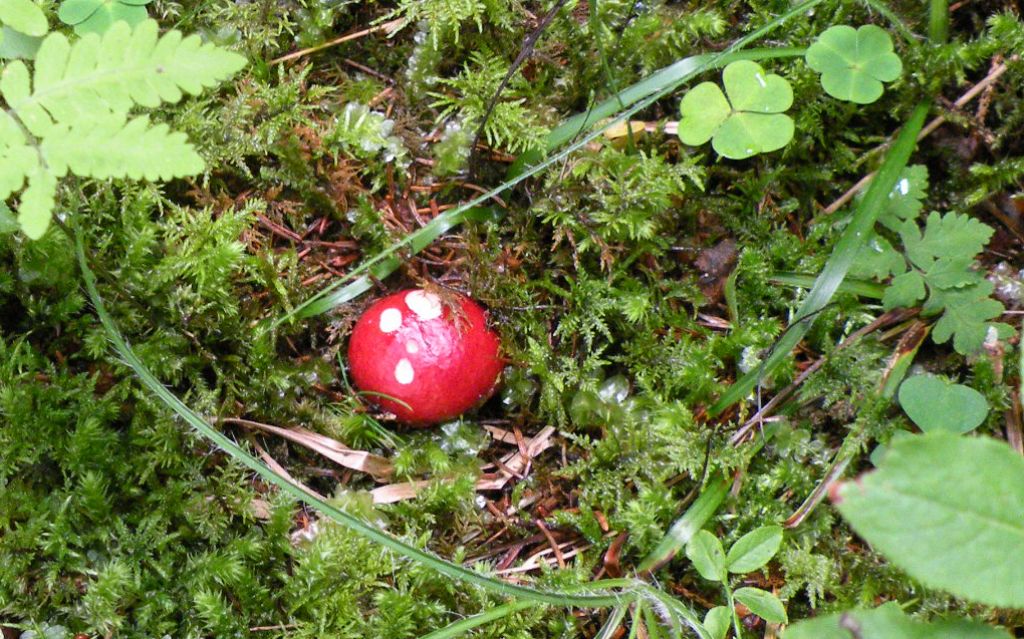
point(839, 263)
point(883, 9)
point(603, 594)
point(659, 84)
point(938, 21)
point(806, 280)
point(465, 625)
point(731, 602)
point(683, 530)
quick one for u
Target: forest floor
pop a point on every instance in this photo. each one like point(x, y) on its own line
point(636, 281)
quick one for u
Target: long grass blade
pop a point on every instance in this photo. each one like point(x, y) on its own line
point(839, 262)
point(598, 595)
point(803, 280)
point(683, 530)
point(612, 624)
point(465, 625)
point(360, 279)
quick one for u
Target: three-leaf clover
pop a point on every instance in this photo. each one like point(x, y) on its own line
point(854, 63)
point(96, 16)
point(747, 122)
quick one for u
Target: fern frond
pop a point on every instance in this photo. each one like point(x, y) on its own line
point(120, 69)
point(37, 202)
point(17, 158)
point(23, 16)
point(113, 148)
point(16, 88)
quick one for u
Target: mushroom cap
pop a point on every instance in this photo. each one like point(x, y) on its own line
point(436, 363)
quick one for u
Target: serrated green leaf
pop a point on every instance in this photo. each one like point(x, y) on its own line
point(878, 259)
point(952, 272)
point(905, 199)
point(853, 63)
point(966, 316)
point(17, 159)
point(887, 622)
point(24, 16)
point(948, 510)
point(946, 235)
point(37, 203)
point(703, 109)
point(707, 555)
point(905, 290)
point(15, 86)
point(717, 621)
point(754, 549)
point(936, 404)
point(113, 148)
point(763, 604)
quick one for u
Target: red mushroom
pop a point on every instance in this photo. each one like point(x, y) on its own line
point(422, 361)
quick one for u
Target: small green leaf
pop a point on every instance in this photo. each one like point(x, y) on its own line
point(905, 199)
point(8, 223)
point(878, 259)
point(16, 45)
point(935, 404)
point(854, 63)
point(744, 121)
point(948, 510)
point(752, 90)
point(746, 134)
point(24, 16)
point(887, 622)
point(967, 315)
point(763, 604)
point(717, 621)
point(905, 290)
point(707, 555)
point(754, 549)
point(704, 109)
point(97, 16)
point(37, 203)
point(944, 236)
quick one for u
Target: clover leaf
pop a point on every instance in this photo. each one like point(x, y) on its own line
point(747, 122)
point(96, 16)
point(854, 63)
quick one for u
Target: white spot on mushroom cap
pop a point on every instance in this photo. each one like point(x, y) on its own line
point(390, 320)
point(427, 306)
point(403, 372)
point(412, 347)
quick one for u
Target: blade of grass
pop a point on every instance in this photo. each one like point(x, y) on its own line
point(683, 530)
point(360, 280)
point(612, 624)
point(839, 262)
point(601, 594)
point(465, 625)
point(803, 280)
